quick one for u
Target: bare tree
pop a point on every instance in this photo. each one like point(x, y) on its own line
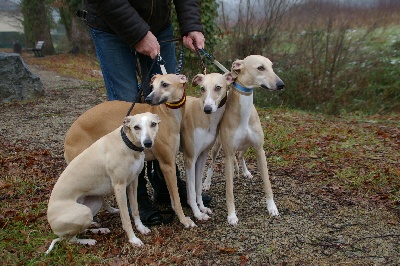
point(254, 24)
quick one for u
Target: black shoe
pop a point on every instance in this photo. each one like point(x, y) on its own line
point(161, 194)
point(164, 198)
point(149, 215)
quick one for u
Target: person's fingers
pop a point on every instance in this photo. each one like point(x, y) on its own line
point(148, 46)
point(194, 36)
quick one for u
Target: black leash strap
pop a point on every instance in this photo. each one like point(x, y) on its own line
point(139, 95)
point(203, 66)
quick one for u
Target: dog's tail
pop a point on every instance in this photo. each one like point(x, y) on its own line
point(53, 243)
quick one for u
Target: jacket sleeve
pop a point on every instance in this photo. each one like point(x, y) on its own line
point(123, 19)
point(189, 16)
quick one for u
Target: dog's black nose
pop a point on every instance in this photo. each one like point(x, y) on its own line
point(148, 99)
point(207, 109)
point(280, 85)
point(148, 143)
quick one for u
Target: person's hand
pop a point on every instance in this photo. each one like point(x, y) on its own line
point(148, 45)
point(196, 36)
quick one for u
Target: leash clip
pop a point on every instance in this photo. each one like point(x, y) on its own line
point(161, 62)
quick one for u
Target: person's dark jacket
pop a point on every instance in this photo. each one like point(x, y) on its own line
point(131, 20)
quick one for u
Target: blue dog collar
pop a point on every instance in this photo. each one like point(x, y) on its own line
point(242, 89)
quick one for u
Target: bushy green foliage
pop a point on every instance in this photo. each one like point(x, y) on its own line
point(191, 63)
point(364, 77)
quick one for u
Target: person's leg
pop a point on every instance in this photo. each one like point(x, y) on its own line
point(118, 65)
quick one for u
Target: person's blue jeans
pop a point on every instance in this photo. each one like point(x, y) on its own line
point(119, 63)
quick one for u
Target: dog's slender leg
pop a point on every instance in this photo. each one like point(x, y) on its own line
point(245, 171)
point(214, 152)
point(229, 165)
point(191, 187)
point(169, 171)
point(200, 165)
point(132, 194)
point(120, 195)
point(262, 162)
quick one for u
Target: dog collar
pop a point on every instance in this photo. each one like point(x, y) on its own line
point(223, 101)
point(177, 104)
point(242, 90)
point(129, 143)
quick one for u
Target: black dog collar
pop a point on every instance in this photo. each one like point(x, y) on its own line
point(129, 143)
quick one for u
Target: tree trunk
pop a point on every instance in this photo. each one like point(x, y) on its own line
point(37, 21)
point(78, 33)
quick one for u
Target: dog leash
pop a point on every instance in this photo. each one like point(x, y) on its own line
point(140, 91)
point(214, 61)
point(210, 57)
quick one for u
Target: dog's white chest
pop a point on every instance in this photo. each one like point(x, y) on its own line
point(205, 136)
point(245, 136)
point(135, 169)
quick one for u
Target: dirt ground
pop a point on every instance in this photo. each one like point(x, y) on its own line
point(314, 227)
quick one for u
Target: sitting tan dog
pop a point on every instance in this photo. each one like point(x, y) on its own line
point(111, 164)
point(168, 101)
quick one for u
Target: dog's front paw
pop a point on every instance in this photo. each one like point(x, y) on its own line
point(136, 242)
point(143, 229)
point(89, 242)
point(272, 209)
point(248, 175)
point(187, 222)
point(100, 231)
point(232, 219)
point(202, 217)
point(205, 210)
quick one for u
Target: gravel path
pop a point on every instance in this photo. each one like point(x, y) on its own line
point(314, 227)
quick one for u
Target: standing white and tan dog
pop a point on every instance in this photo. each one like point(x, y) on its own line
point(200, 125)
point(110, 165)
point(240, 126)
point(168, 101)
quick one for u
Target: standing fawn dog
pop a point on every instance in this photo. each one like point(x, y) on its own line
point(168, 102)
point(200, 126)
point(240, 126)
point(111, 164)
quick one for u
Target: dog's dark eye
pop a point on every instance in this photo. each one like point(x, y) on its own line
point(164, 84)
point(261, 68)
point(217, 88)
point(202, 89)
point(153, 124)
point(136, 127)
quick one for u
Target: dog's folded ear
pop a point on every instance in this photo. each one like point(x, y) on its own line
point(182, 78)
point(158, 120)
point(126, 122)
point(197, 80)
point(236, 67)
point(153, 78)
point(229, 78)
